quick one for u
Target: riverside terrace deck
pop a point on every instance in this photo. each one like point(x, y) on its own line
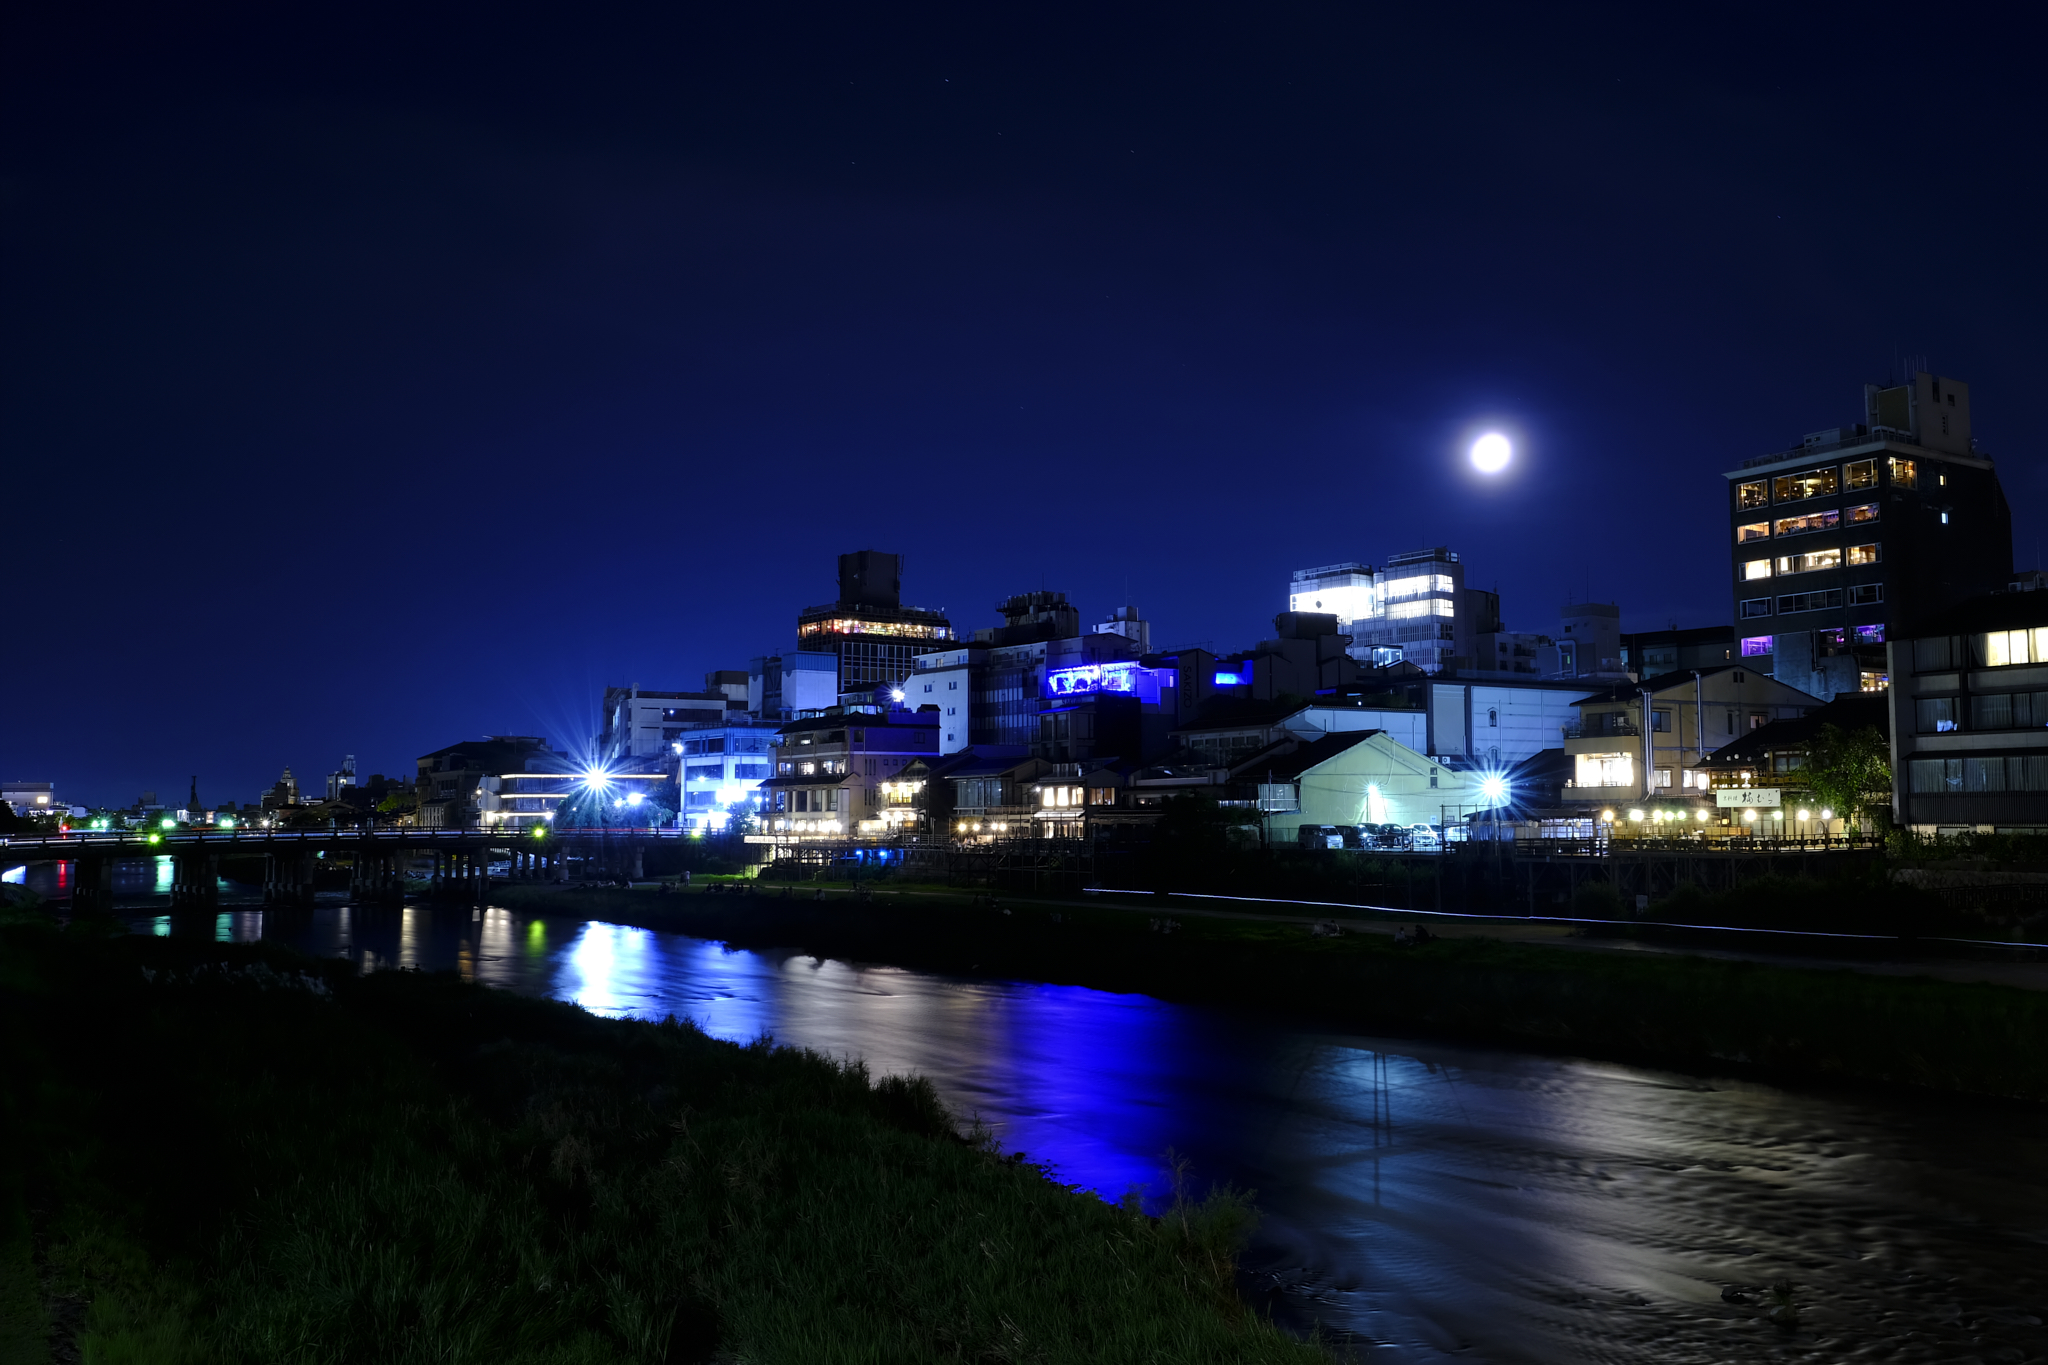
point(375, 858)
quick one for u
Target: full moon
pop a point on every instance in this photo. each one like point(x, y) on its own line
point(1490, 453)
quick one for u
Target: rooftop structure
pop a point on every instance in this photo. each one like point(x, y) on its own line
point(874, 635)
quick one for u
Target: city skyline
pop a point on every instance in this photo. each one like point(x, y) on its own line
point(400, 393)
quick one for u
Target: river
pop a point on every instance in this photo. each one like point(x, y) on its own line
point(1432, 1201)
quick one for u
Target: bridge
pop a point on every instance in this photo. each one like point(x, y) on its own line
point(376, 857)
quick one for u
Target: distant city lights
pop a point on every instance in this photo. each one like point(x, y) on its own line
point(1490, 453)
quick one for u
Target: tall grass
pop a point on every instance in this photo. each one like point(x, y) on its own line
point(228, 1155)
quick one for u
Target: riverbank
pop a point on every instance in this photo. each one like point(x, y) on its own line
point(228, 1152)
point(1666, 1009)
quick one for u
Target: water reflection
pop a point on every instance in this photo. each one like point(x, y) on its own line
point(1438, 1201)
point(237, 926)
point(134, 878)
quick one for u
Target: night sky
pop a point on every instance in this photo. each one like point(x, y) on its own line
point(378, 377)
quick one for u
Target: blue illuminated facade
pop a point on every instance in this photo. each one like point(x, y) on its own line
point(720, 770)
point(1123, 678)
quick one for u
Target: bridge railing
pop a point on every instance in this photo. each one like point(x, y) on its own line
point(163, 841)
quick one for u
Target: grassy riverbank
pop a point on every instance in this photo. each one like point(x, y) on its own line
point(1662, 1008)
point(224, 1153)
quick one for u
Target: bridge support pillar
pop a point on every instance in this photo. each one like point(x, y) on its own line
point(195, 881)
point(635, 866)
point(307, 868)
point(92, 886)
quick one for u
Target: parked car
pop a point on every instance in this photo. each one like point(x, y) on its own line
point(1335, 836)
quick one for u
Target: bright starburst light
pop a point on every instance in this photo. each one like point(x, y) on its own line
point(1490, 453)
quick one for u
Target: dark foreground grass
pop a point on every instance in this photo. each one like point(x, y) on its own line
point(1668, 1009)
point(222, 1153)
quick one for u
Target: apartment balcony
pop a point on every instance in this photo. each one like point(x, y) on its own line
point(1602, 727)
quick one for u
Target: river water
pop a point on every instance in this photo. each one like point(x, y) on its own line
point(1433, 1202)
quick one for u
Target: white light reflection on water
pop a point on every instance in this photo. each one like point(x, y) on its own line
point(409, 936)
point(1445, 1202)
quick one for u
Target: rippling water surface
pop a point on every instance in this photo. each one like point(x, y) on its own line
point(1437, 1202)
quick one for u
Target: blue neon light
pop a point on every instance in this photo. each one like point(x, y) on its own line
point(1085, 678)
point(1121, 678)
point(1230, 679)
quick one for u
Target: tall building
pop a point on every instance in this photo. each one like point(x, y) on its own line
point(641, 724)
point(1420, 593)
point(40, 798)
point(1969, 724)
point(1415, 609)
point(792, 686)
point(1860, 532)
point(875, 637)
point(720, 769)
point(1344, 591)
point(511, 780)
point(343, 778)
point(1589, 641)
point(995, 690)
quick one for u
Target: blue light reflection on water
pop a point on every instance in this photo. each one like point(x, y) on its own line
point(1445, 1202)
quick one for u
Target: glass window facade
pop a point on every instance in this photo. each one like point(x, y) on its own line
point(1814, 483)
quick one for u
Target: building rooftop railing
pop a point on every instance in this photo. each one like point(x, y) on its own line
point(1878, 436)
